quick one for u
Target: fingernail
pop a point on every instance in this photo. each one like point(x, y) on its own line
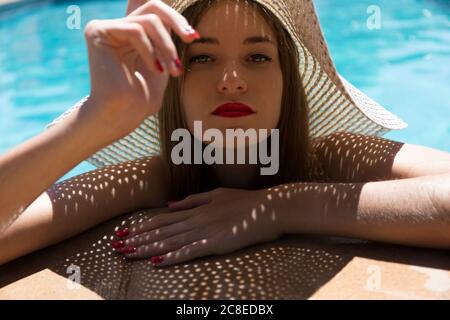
point(196, 35)
point(156, 259)
point(118, 244)
point(159, 66)
point(189, 29)
point(127, 250)
point(178, 64)
point(170, 202)
point(122, 233)
point(192, 32)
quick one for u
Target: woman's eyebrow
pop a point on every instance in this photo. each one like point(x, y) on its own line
point(250, 40)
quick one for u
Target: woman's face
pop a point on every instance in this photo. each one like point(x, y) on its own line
point(230, 63)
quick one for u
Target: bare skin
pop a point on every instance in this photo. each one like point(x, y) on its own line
point(402, 198)
point(365, 170)
point(120, 99)
point(240, 71)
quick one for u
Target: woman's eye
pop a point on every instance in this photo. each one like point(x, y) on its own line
point(202, 58)
point(196, 58)
point(262, 56)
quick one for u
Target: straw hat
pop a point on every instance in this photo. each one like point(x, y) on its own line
point(333, 103)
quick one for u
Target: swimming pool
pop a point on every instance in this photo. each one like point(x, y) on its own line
point(404, 65)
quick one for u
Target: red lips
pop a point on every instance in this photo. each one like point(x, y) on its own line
point(233, 110)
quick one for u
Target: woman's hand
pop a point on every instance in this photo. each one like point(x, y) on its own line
point(211, 223)
point(127, 85)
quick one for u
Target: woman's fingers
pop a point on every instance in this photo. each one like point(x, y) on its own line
point(195, 200)
point(191, 201)
point(170, 17)
point(161, 39)
point(151, 249)
point(147, 29)
point(142, 44)
point(158, 234)
point(191, 251)
point(158, 221)
point(116, 35)
point(133, 5)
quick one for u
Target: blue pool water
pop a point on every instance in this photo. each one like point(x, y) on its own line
point(404, 65)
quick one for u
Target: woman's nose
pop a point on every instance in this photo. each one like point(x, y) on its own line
point(231, 82)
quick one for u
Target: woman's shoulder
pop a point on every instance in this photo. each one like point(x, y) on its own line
point(327, 152)
point(316, 168)
point(330, 155)
point(352, 157)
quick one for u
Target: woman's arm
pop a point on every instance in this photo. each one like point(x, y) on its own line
point(367, 201)
point(32, 167)
point(36, 213)
point(414, 211)
point(76, 204)
point(348, 157)
point(411, 211)
point(117, 104)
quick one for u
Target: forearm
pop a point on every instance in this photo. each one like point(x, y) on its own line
point(411, 211)
point(32, 167)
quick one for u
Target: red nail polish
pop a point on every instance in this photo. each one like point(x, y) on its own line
point(159, 66)
point(178, 64)
point(196, 35)
point(156, 259)
point(122, 233)
point(128, 250)
point(192, 32)
point(118, 244)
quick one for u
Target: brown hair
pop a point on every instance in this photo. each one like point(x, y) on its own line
point(295, 145)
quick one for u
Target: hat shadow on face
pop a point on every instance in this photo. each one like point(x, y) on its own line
point(291, 267)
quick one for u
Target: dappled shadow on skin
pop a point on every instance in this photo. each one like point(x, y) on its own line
point(291, 267)
point(82, 192)
point(349, 157)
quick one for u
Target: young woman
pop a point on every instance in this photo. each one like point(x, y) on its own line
point(335, 177)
